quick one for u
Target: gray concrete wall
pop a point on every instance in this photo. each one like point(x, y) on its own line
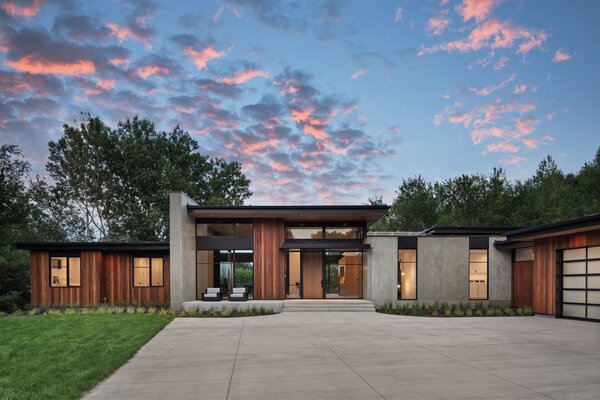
point(443, 269)
point(499, 274)
point(182, 237)
point(382, 269)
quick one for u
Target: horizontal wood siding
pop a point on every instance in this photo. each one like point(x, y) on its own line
point(87, 294)
point(544, 266)
point(118, 281)
point(522, 283)
point(269, 260)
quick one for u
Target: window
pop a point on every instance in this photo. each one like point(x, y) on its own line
point(478, 274)
point(147, 271)
point(302, 232)
point(224, 229)
point(224, 269)
point(65, 271)
point(343, 233)
point(407, 274)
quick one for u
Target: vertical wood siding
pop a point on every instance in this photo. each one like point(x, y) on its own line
point(522, 283)
point(118, 281)
point(103, 276)
point(269, 260)
point(87, 294)
point(544, 266)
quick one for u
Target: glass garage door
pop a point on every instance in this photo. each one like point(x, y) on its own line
point(581, 283)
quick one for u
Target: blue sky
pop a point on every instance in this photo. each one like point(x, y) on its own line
point(322, 102)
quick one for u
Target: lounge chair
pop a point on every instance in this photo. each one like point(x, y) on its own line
point(238, 294)
point(212, 294)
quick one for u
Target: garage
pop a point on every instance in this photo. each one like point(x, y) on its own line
point(580, 292)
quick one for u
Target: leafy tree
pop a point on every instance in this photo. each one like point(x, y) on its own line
point(118, 180)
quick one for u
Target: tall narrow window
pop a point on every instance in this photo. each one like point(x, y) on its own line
point(147, 271)
point(478, 274)
point(65, 271)
point(407, 274)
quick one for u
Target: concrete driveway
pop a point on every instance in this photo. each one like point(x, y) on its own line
point(363, 356)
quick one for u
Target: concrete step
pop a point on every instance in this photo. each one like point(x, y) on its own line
point(328, 306)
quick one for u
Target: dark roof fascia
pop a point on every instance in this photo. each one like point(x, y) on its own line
point(556, 227)
point(466, 230)
point(103, 246)
point(325, 245)
point(292, 207)
point(512, 244)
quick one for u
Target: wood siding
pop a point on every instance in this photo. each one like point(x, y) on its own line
point(269, 260)
point(312, 274)
point(103, 275)
point(87, 294)
point(522, 284)
point(118, 281)
point(544, 266)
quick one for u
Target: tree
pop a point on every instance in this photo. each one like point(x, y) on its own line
point(118, 180)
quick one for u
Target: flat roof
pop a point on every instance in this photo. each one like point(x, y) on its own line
point(467, 230)
point(368, 213)
point(103, 246)
point(565, 227)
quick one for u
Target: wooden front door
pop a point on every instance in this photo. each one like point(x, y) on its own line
point(522, 283)
point(312, 275)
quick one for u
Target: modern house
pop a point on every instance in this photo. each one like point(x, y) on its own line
point(326, 252)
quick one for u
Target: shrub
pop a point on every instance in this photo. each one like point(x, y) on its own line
point(192, 312)
point(88, 311)
point(479, 312)
point(498, 311)
point(226, 312)
point(33, 311)
point(182, 313)
point(469, 312)
point(509, 311)
point(164, 311)
point(212, 312)
point(489, 312)
point(55, 311)
point(130, 310)
point(103, 309)
point(70, 311)
point(118, 310)
point(458, 311)
point(2, 314)
point(447, 311)
point(140, 310)
point(527, 310)
point(152, 310)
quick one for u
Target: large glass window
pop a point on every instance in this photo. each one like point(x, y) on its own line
point(293, 275)
point(354, 232)
point(478, 274)
point(65, 271)
point(302, 232)
point(407, 274)
point(224, 269)
point(147, 271)
point(343, 273)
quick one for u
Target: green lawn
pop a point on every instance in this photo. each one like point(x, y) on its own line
point(61, 357)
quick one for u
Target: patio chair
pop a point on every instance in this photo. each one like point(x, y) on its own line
point(212, 294)
point(238, 294)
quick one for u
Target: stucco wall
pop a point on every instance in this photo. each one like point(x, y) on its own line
point(381, 273)
point(182, 236)
point(500, 274)
point(443, 269)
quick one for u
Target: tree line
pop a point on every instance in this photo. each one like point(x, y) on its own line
point(548, 196)
point(104, 184)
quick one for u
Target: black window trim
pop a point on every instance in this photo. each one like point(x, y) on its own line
point(67, 255)
point(150, 257)
point(325, 225)
point(227, 221)
point(416, 273)
point(560, 289)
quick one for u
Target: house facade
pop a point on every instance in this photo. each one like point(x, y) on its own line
point(327, 252)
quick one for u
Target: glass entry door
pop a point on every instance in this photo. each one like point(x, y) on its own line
point(343, 275)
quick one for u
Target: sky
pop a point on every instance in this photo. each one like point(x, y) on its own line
point(323, 102)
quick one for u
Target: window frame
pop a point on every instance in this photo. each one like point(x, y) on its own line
point(68, 266)
point(234, 225)
point(398, 273)
point(149, 257)
point(487, 274)
point(323, 226)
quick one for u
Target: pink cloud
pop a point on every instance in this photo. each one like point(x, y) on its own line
point(438, 24)
point(217, 15)
point(486, 91)
point(358, 72)
point(520, 89)
point(103, 85)
point(148, 70)
point(202, 57)
point(502, 147)
point(460, 118)
point(530, 143)
point(17, 11)
point(280, 167)
point(478, 9)
point(480, 134)
point(501, 63)
point(399, 14)
point(37, 65)
point(559, 56)
point(121, 33)
point(240, 77)
point(250, 148)
point(512, 160)
point(525, 126)
point(495, 35)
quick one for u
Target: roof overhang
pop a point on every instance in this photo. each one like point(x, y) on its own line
point(346, 245)
point(567, 227)
point(367, 213)
point(102, 246)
